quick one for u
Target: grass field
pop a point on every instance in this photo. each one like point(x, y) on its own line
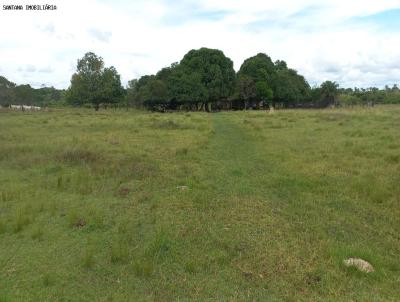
point(235, 206)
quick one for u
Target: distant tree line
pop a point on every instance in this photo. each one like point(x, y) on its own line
point(11, 93)
point(369, 96)
point(204, 80)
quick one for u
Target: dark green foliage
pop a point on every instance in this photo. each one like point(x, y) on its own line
point(260, 82)
point(7, 91)
point(255, 80)
point(94, 84)
point(186, 88)
point(329, 92)
point(10, 93)
point(215, 72)
point(290, 87)
point(202, 78)
point(260, 68)
point(246, 89)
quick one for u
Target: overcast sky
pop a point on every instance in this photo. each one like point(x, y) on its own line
point(356, 43)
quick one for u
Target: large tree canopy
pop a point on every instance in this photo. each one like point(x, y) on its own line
point(186, 88)
point(214, 71)
point(260, 68)
point(94, 84)
point(203, 76)
point(272, 82)
point(259, 72)
point(290, 87)
point(206, 76)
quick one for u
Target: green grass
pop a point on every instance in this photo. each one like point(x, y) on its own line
point(91, 207)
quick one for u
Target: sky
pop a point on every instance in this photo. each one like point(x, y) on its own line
point(352, 42)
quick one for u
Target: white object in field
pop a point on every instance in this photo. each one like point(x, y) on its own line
point(16, 107)
point(271, 109)
point(360, 264)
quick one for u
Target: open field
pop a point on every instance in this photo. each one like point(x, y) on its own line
point(92, 208)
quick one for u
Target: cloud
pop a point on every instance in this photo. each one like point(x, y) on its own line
point(180, 14)
point(28, 68)
point(102, 36)
point(47, 69)
point(351, 42)
point(48, 28)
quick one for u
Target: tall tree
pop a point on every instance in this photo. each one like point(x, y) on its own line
point(215, 72)
point(7, 93)
point(111, 88)
point(329, 92)
point(261, 70)
point(290, 88)
point(94, 84)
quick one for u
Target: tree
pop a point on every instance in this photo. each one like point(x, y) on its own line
point(260, 71)
point(94, 84)
point(25, 94)
point(154, 93)
point(111, 88)
point(329, 92)
point(131, 94)
point(290, 88)
point(149, 92)
point(186, 89)
point(246, 89)
point(7, 93)
point(264, 92)
point(48, 95)
point(349, 100)
point(260, 68)
point(214, 71)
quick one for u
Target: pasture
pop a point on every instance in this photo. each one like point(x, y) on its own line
point(231, 206)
